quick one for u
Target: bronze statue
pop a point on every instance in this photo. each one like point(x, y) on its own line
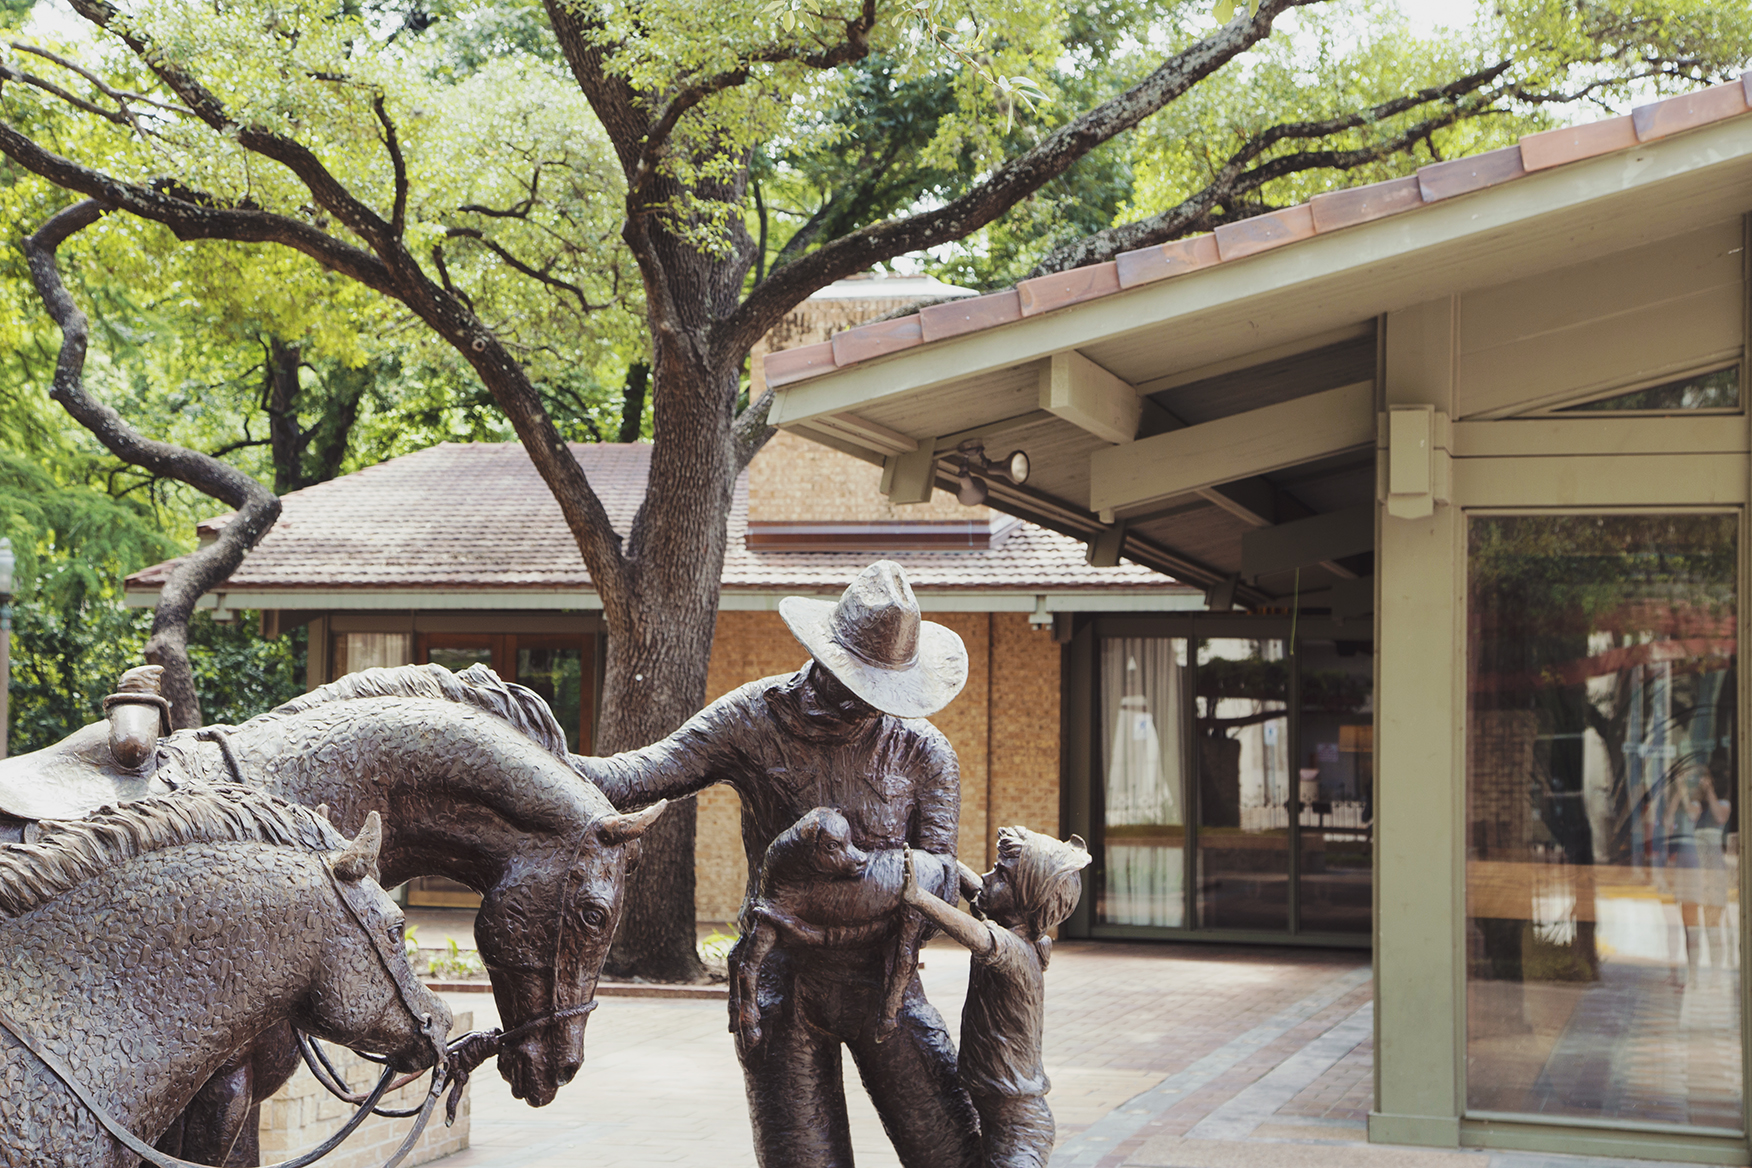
point(144, 944)
point(812, 889)
point(1032, 888)
point(845, 732)
point(472, 777)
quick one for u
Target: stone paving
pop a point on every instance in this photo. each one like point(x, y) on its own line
point(1161, 1056)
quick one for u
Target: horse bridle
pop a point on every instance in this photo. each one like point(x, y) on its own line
point(352, 895)
point(466, 1053)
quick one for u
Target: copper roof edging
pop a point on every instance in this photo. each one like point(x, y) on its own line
point(1324, 213)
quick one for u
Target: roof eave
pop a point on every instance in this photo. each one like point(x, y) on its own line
point(1656, 188)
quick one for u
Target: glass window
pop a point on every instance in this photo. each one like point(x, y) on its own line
point(1335, 782)
point(557, 674)
point(457, 658)
point(1242, 736)
point(1143, 874)
point(355, 651)
point(1719, 390)
point(1602, 880)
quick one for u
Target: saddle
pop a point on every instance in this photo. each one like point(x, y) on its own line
point(73, 778)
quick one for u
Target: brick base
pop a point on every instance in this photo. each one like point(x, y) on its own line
point(302, 1114)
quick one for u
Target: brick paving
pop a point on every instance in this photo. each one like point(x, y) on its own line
point(1161, 1056)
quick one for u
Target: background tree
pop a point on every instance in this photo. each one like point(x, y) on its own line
point(610, 176)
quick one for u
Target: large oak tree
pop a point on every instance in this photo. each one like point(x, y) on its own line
point(701, 169)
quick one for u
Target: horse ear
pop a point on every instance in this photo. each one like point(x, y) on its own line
point(360, 856)
point(620, 829)
point(322, 810)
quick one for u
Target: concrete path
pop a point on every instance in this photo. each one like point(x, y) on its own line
point(1180, 1056)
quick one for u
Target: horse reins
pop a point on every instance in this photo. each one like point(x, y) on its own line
point(466, 1053)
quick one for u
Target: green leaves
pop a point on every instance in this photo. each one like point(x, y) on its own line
point(1224, 10)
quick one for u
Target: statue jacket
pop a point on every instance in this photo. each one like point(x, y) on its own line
point(896, 780)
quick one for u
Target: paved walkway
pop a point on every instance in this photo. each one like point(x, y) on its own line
point(1160, 1056)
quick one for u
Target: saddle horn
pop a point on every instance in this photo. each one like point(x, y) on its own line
point(621, 829)
point(360, 856)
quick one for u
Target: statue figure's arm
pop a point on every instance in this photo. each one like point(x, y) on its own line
point(961, 928)
point(705, 750)
point(939, 815)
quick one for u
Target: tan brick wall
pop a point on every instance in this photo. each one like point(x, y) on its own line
point(798, 480)
point(302, 1114)
point(752, 645)
point(1025, 727)
point(794, 479)
point(966, 723)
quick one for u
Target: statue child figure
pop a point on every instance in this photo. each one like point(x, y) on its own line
point(1033, 886)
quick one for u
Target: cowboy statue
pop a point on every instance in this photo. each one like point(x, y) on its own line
point(844, 733)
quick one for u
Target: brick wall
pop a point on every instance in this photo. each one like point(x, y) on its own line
point(1025, 727)
point(1004, 727)
point(302, 1114)
point(798, 480)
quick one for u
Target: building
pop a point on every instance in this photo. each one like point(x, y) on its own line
point(1462, 461)
point(458, 554)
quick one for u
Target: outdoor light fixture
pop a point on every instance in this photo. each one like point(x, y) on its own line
point(8, 561)
point(975, 468)
point(972, 491)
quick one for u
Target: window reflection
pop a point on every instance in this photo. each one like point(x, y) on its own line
point(1242, 736)
point(557, 674)
point(1602, 857)
point(1336, 785)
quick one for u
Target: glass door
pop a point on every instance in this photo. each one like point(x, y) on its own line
point(1602, 834)
point(1335, 785)
point(1231, 782)
point(1241, 735)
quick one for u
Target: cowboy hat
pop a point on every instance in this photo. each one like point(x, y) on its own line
point(874, 642)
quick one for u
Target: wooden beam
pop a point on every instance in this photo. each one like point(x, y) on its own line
point(867, 433)
point(1236, 447)
point(1090, 398)
point(1307, 542)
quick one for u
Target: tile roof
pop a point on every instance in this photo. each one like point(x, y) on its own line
point(479, 517)
point(1327, 212)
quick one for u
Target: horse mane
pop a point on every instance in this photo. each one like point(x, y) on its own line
point(69, 852)
point(476, 686)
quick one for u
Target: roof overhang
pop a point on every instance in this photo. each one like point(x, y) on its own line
point(993, 383)
point(1168, 598)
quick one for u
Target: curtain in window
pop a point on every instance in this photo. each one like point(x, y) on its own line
point(1141, 679)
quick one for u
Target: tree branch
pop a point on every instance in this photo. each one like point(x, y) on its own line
point(328, 191)
point(257, 508)
point(532, 272)
point(855, 47)
point(1008, 185)
point(398, 217)
point(1233, 180)
point(7, 73)
point(188, 219)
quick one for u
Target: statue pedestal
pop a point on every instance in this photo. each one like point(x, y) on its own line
point(301, 1114)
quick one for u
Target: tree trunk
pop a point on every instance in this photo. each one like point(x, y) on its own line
point(660, 631)
point(280, 395)
point(633, 402)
